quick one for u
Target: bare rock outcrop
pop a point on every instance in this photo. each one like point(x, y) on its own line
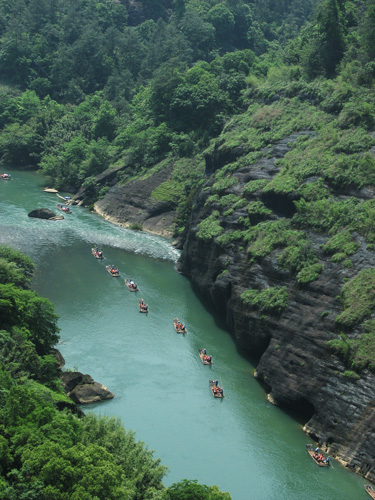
point(82, 389)
point(133, 205)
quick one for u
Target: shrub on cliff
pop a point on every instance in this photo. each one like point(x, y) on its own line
point(358, 298)
point(357, 353)
point(310, 273)
point(210, 228)
point(272, 300)
point(267, 236)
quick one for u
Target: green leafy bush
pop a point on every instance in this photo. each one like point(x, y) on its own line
point(228, 200)
point(258, 209)
point(253, 186)
point(223, 184)
point(210, 227)
point(170, 191)
point(338, 257)
point(358, 298)
point(230, 237)
point(351, 374)
point(310, 273)
point(341, 242)
point(298, 255)
point(272, 300)
point(267, 236)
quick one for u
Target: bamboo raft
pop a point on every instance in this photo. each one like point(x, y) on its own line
point(143, 307)
point(130, 287)
point(208, 360)
point(65, 210)
point(217, 391)
point(311, 452)
point(370, 490)
point(98, 254)
point(178, 330)
point(115, 274)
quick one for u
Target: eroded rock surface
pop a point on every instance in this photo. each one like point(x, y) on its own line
point(44, 213)
point(82, 389)
point(132, 205)
point(290, 349)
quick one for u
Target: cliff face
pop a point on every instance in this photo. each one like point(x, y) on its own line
point(132, 205)
point(294, 362)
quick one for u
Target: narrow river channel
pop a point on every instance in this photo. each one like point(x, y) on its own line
point(242, 443)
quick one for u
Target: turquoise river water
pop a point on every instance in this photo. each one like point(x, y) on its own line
point(242, 443)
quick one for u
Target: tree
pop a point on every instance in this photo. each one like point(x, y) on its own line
point(325, 41)
point(368, 29)
point(25, 309)
point(105, 122)
point(223, 21)
point(199, 32)
point(191, 490)
point(15, 267)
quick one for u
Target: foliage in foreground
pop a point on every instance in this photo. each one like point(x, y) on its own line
point(46, 450)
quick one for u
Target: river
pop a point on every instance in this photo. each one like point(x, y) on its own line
point(242, 443)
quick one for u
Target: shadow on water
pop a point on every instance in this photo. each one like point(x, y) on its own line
point(301, 411)
point(220, 322)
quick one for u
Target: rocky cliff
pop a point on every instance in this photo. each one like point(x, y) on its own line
point(133, 204)
point(294, 364)
point(281, 241)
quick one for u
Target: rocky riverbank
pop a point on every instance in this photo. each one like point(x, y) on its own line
point(82, 389)
point(132, 205)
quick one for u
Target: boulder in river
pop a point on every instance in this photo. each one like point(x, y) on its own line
point(83, 389)
point(44, 213)
point(90, 393)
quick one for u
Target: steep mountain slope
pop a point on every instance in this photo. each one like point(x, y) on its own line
point(283, 249)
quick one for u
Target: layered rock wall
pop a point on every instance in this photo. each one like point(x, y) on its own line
point(293, 361)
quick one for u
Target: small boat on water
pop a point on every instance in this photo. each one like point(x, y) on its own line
point(143, 307)
point(50, 190)
point(98, 254)
point(64, 208)
point(218, 392)
point(318, 457)
point(5, 177)
point(178, 326)
point(133, 287)
point(113, 271)
point(206, 360)
point(370, 490)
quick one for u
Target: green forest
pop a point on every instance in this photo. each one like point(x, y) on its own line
point(89, 85)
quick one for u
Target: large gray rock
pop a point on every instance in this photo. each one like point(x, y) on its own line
point(90, 393)
point(71, 379)
point(43, 213)
point(82, 389)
